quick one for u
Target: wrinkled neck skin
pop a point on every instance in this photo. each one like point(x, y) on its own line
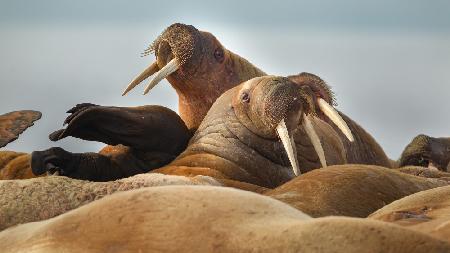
point(223, 144)
point(197, 94)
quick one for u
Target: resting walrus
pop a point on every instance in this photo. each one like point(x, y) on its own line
point(427, 151)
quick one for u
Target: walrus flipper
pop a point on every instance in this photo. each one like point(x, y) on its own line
point(14, 123)
point(122, 162)
point(146, 128)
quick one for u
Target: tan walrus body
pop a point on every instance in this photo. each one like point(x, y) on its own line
point(207, 219)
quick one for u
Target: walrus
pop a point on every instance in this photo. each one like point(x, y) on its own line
point(427, 151)
point(207, 219)
point(237, 145)
point(427, 212)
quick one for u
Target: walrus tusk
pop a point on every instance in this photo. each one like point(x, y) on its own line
point(289, 146)
point(170, 67)
point(150, 70)
point(334, 116)
point(315, 140)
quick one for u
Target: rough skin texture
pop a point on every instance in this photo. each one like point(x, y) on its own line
point(14, 123)
point(42, 198)
point(207, 219)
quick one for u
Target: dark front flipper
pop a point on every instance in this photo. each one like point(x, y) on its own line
point(14, 123)
point(147, 128)
point(121, 162)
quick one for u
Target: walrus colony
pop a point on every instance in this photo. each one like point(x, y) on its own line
point(235, 145)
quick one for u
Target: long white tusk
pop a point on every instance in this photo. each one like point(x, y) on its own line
point(150, 70)
point(315, 140)
point(334, 116)
point(288, 144)
point(170, 67)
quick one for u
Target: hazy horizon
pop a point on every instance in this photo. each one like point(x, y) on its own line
point(388, 63)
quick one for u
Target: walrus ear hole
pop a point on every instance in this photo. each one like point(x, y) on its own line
point(219, 55)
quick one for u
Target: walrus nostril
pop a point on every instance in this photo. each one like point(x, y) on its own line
point(164, 53)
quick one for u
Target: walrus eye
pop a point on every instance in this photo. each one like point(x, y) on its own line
point(245, 97)
point(218, 54)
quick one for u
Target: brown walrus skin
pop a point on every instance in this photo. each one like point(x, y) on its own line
point(427, 151)
point(15, 165)
point(236, 146)
point(356, 191)
point(208, 219)
point(12, 124)
point(427, 212)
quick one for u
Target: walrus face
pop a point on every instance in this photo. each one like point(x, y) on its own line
point(198, 67)
point(428, 152)
point(276, 106)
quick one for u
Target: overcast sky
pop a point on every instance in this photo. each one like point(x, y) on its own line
point(387, 61)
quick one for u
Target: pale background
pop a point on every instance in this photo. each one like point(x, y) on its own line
point(388, 61)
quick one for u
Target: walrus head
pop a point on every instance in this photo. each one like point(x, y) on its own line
point(198, 67)
point(264, 131)
point(277, 106)
point(427, 151)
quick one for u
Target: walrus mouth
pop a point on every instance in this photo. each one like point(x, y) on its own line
point(288, 141)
